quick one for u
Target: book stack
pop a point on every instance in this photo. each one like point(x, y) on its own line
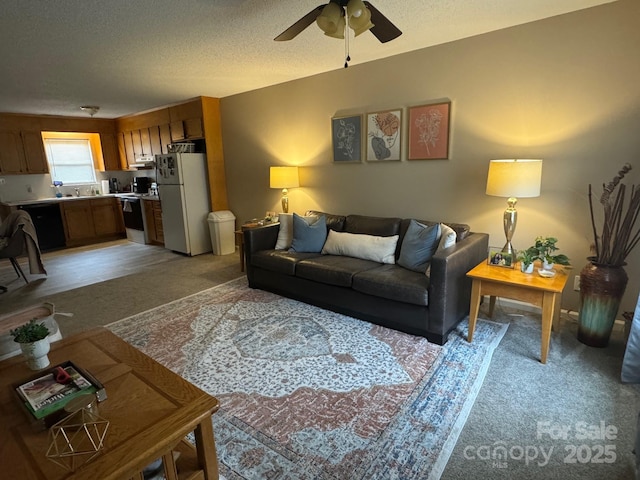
point(46, 396)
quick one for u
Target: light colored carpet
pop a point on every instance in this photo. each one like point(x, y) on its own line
point(306, 393)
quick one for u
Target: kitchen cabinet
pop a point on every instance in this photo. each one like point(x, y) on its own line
point(22, 153)
point(136, 140)
point(35, 158)
point(92, 220)
point(153, 220)
point(11, 153)
point(188, 129)
point(127, 146)
point(110, 156)
point(145, 141)
point(186, 121)
point(155, 140)
point(165, 137)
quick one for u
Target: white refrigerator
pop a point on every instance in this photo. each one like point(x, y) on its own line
point(184, 197)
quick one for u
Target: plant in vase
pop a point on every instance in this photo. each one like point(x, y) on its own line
point(527, 257)
point(603, 280)
point(545, 246)
point(34, 342)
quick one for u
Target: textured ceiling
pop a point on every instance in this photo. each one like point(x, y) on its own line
point(132, 55)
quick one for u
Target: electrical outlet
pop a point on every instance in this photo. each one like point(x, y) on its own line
point(29, 189)
point(576, 283)
point(2, 181)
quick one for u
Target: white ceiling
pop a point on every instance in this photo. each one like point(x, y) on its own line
point(133, 55)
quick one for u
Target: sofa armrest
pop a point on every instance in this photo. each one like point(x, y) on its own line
point(449, 287)
point(257, 239)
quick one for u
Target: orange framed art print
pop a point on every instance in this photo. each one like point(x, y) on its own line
point(429, 131)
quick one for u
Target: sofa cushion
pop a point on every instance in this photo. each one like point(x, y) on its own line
point(395, 283)
point(418, 246)
point(333, 269)
point(308, 237)
point(285, 234)
point(366, 247)
point(380, 226)
point(279, 261)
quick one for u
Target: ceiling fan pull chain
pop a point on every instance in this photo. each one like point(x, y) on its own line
point(346, 47)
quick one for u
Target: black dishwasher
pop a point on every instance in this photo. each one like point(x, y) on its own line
point(47, 219)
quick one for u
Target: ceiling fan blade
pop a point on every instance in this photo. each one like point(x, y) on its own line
point(300, 25)
point(383, 29)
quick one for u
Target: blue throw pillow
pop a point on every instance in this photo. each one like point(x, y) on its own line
point(418, 246)
point(308, 238)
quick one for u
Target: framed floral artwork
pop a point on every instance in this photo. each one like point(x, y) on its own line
point(346, 138)
point(429, 132)
point(384, 135)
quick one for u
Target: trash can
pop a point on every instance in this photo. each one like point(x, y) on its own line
point(222, 225)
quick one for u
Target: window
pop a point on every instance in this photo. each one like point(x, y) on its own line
point(70, 160)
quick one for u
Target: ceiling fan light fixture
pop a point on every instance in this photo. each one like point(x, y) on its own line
point(339, 32)
point(362, 22)
point(329, 19)
point(355, 8)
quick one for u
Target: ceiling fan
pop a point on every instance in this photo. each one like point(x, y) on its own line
point(361, 16)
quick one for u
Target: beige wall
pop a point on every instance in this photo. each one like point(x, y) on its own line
point(564, 89)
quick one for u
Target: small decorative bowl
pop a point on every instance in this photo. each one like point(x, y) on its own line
point(546, 273)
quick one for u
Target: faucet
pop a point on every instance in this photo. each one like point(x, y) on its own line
point(77, 192)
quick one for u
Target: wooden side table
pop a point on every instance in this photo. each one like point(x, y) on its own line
point(545, 293)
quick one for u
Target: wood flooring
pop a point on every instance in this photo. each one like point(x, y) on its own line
point(71, 268)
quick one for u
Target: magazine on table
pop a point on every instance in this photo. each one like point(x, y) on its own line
point(53, 390)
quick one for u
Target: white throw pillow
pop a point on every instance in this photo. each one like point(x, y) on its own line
point(448, 238)
point(285, 234)
point(366, 247)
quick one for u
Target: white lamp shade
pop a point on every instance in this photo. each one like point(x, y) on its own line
point(514, 178)
point(283, 177)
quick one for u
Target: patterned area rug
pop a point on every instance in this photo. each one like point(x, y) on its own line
point(310, 394)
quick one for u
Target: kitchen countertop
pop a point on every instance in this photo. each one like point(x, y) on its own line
point(37, 201)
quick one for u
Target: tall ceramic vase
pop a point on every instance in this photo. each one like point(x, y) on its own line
point(36, 353)
point(601, 290)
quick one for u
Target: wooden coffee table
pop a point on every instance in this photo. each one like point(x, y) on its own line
point(149, 408)
point(525, 287)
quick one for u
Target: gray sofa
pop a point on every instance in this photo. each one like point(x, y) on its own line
point(385, 294)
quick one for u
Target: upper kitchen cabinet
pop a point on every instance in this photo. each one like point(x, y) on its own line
point(186, 121)
point(11, 153)
point(22, 153)
point(110, 151)
point(35, 158)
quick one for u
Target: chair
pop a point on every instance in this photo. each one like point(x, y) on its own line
point(13, 249)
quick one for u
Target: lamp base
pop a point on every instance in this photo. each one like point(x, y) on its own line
point(508, 248)
point(285, 201)
point(509, 221)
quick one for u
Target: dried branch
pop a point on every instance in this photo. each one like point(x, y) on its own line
point(618, 236)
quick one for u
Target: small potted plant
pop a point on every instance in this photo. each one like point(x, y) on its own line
point(527, 257)
point(545, 246)
point(34, 342)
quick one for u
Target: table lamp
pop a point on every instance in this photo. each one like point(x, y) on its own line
point(513, 178)
point(284, 178)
